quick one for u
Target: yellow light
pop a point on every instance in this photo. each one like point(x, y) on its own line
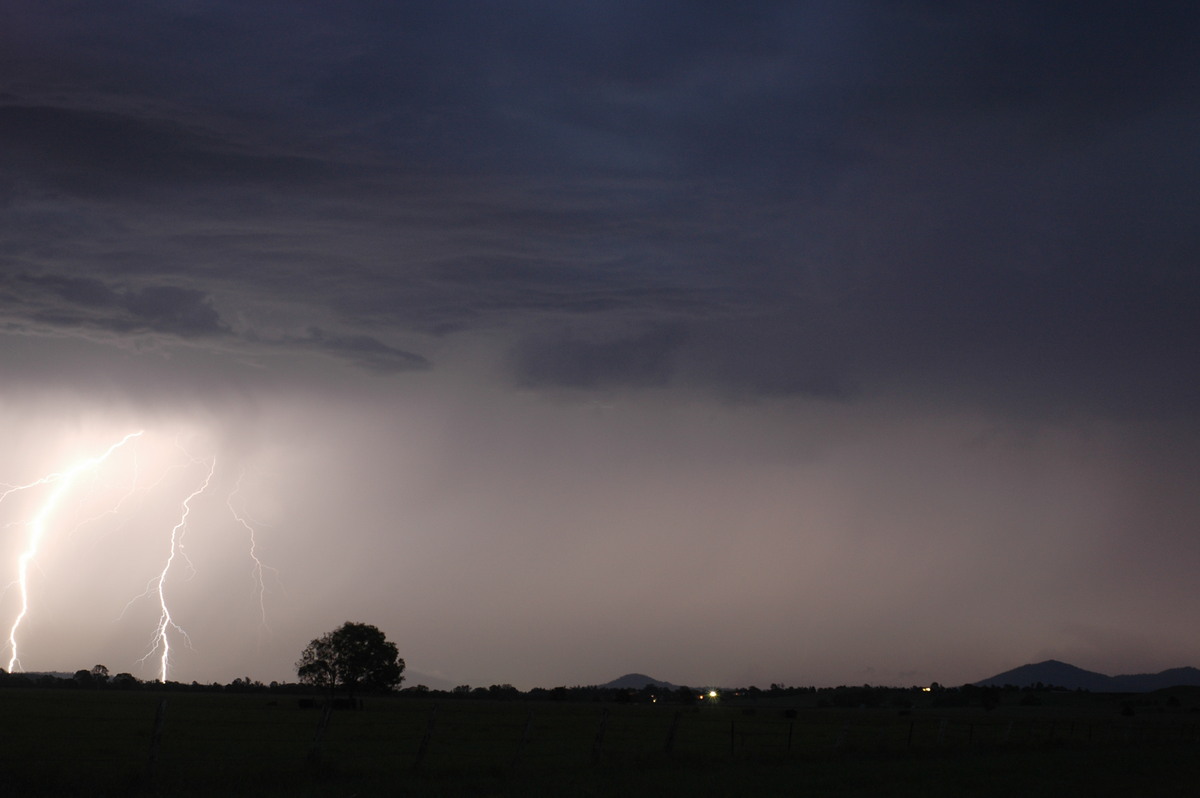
point(712, 693)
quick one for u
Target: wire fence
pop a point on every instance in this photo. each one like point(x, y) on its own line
point(210, 738)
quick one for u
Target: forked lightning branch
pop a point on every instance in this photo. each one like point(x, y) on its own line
point(42, 518)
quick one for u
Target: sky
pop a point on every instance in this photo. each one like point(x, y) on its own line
point(811, 343)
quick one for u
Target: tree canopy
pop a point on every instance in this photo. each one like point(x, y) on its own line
point(352, 657)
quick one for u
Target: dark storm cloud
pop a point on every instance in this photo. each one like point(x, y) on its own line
point(827, 199)
point(876, 306)
point(102, 152)
point(1090, 61)
point(364, 350)
point(87, 304)
point(642, 361)
point(183, 311)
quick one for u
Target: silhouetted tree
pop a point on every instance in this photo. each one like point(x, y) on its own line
point(417, 691)
point(353, 656)
point(125, 681)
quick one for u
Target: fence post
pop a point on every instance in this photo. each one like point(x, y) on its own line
point(160, 718)
point(598, 740)
point(314, 751)
point(524, 740)
point(424, 747)
point(791, 727)
point(732, 739)
point(671, 732)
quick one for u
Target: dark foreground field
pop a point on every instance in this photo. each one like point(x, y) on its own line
point(103, 743)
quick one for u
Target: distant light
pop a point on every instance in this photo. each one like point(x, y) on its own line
point(712, 693)
point(926, 689)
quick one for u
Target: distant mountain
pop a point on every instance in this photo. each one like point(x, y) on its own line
point(1060, 674)
point(1052, 672)
point(1145, 682)
point(412, 678)
point(636, 681)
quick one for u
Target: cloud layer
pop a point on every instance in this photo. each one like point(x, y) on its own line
point(891, 236)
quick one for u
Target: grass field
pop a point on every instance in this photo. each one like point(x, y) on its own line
point(68, 742)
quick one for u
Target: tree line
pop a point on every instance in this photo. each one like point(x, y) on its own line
point(357, 658)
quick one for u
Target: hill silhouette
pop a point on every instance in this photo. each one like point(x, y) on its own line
point(1061, 674)
point(636, 681)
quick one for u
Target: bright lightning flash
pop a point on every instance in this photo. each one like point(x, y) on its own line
point(37, 528)
point(166, 623)
point(61, 482)
point(259, 567)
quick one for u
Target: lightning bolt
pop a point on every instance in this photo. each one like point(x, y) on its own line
point(259, 567)
point(166, 622)
point(62, 482)
point(58, 485)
